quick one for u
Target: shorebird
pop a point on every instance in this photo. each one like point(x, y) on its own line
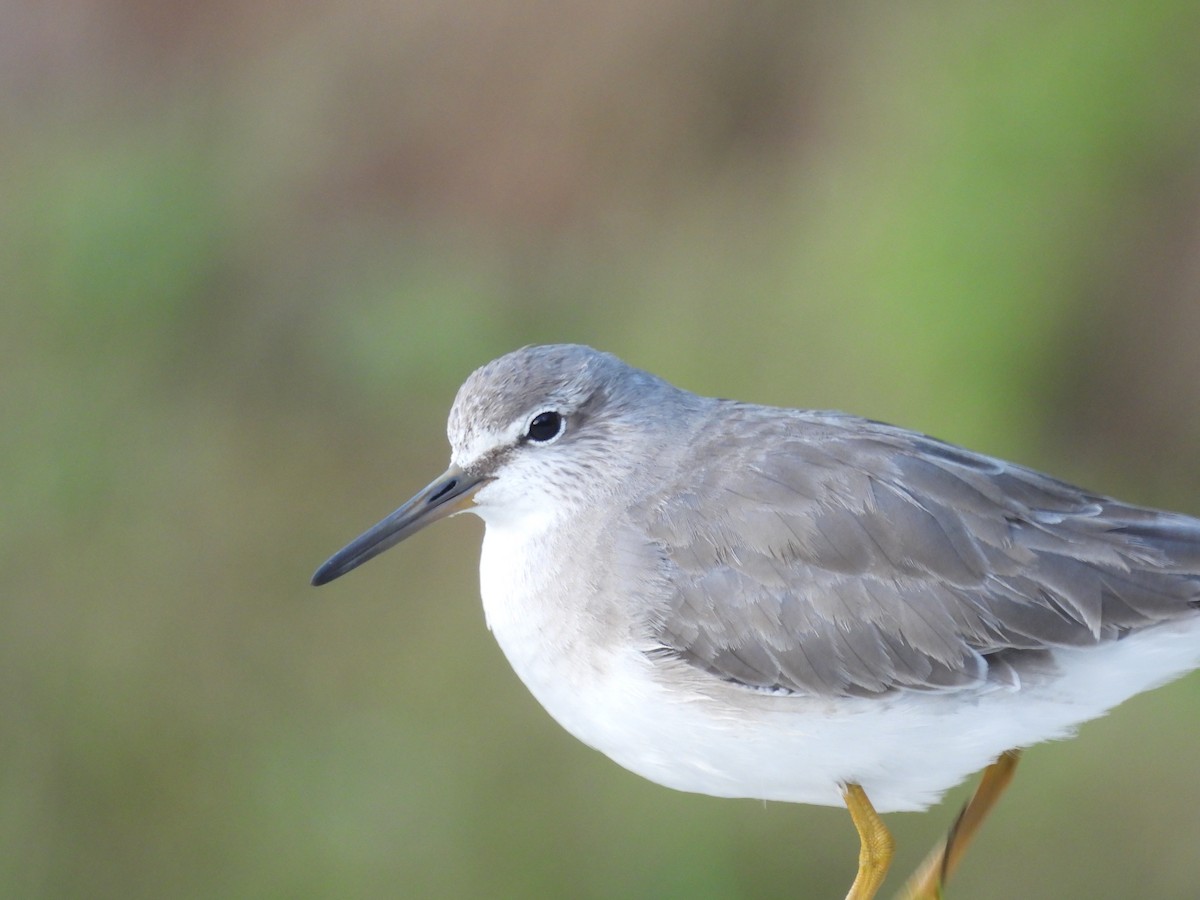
point(795, 605)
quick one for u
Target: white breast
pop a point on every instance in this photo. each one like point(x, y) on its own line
point(681, 727)
point(528, 603)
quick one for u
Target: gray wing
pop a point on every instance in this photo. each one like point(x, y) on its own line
point(836, 556)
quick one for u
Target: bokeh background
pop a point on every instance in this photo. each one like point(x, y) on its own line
point(250, 249)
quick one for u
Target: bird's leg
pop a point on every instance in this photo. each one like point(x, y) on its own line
point(875, 845)
point(926, 883)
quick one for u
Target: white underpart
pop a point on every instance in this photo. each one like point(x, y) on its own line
point(685, 729)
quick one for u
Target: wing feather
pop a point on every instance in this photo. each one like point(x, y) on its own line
point(850, 557)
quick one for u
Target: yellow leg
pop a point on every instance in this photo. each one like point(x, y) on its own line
point(926, 883)
point(875, 844)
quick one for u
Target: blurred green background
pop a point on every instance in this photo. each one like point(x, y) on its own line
point(249, 251)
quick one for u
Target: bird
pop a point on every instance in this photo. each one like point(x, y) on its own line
point(796, 605)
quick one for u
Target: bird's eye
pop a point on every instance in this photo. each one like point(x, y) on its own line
point(545, 426)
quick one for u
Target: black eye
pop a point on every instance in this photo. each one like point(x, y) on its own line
point(545, 426)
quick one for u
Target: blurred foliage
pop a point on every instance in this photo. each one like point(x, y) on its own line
point(250, 250)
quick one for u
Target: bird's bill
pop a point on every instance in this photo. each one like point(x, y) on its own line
point(450, 493)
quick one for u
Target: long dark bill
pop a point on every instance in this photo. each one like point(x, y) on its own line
point(449, 494)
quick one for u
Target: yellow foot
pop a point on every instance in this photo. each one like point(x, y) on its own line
point(927, 882)
point(875, 844)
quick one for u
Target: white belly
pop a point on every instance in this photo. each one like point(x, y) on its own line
point(681, 727)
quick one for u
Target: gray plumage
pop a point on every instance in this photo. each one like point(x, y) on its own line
point(746, 601)
point(824, 554)
point(852, 557)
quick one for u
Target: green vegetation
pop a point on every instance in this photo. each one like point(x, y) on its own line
point(248, 259)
